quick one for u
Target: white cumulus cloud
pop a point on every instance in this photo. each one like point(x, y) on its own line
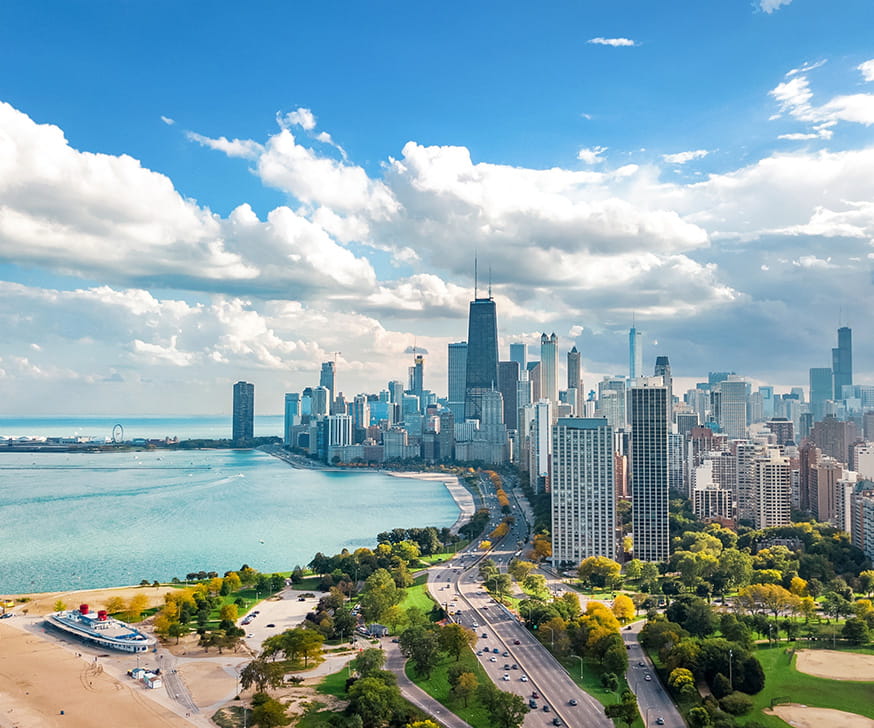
point(867, 69)
point(591, 155)
point(683, 157)
point(615, 42)
point(769, 6)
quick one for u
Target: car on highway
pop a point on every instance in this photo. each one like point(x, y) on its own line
point(496, 650)
point(660, 721)
point(572, 701)
point(647, 677)
point(524, 678)
point(532, 703)
point(493, 659)
point(506, 677)
point(641, 664)
point(271, 625)
point(546, 708)
point(485, 636)
point(506, 654)
point(535, 694)
point(556, 721)
point(516, 642)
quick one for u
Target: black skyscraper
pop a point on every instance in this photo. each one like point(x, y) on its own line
point(842, 361)
point(482, 354)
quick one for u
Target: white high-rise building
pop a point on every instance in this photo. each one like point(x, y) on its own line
point(540, 445)
point(583, 491)
point(549, 367)
point(772, 489)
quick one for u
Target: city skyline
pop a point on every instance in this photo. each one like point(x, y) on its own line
point(168, 228)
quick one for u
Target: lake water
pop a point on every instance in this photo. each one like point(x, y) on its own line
point(82, 520)
point(100, 427)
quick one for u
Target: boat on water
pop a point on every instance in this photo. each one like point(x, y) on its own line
point(100, 629)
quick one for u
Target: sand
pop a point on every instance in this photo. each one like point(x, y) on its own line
point(461, 495)
point(208, 682)
point(39, 604)
point(39, 679)
point(836, 665)
point(801, 716)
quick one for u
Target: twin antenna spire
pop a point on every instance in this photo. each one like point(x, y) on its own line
point(476, 278)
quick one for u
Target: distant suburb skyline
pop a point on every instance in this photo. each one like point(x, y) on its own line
point(195, 194)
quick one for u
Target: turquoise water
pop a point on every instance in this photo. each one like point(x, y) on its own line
point(100, 427)
point(81, 521)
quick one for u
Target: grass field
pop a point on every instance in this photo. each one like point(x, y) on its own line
point(437, 686)
point(333, 684)
point(417, 595)
point(783, 681)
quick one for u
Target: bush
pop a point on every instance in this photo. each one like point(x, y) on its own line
point(737, 703)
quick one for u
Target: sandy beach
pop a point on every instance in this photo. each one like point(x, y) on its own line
point(40, 678)
point(461, 495)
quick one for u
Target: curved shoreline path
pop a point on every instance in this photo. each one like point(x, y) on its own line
point(461, 495)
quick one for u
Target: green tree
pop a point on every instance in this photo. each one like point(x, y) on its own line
point(856, 631)
point(379, 593)
point(270, 714)
point(625, 711)
point(698, 718)
point(505, 710)
point(454, 639)
point(262, 674)
point(466, 686)
point(374, 700)
point(368, 662)
point(422, 646)
point(599, 571)
point(866, 581)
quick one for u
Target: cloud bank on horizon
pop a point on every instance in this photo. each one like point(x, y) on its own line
point(148, 293)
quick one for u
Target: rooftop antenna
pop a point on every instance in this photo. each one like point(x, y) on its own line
point(475, 278)
point(336, 354)
point(490, 282)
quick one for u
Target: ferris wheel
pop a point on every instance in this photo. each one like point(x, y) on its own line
point(117, 435)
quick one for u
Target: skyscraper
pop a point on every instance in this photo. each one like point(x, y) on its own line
point(481, 374)
point(292, 415)
point(649, 469)
point(583, 493)
point(663, 370)
point(821, 389)
point(326, 379)
point(575, 379)
point(549, 368)
point(519, 354)
point(457, 378)
point(729, 403)
point(417, 376)
point(508, 380)
point(244, 413)
point(635, 354)
point(842, 361)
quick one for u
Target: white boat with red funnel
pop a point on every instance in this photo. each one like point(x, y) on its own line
point(100, 629)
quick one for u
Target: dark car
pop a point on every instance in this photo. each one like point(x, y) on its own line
point(535, 694)
point(271, 625)
point(532, 703)
point(660, 721)
point(545, 708)
point(496, 650)
point(572, 701)
point(516, 642)
point(556, 721)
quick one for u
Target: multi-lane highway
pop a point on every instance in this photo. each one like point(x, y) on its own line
point(516, 661)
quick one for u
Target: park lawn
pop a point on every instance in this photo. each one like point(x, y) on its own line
point(417, 595)
point(784, 683)
point(333, 684)
point(591, 682)
point(437, 686)
point(308, 583)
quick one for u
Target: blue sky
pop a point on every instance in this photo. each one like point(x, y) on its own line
point(193, 193)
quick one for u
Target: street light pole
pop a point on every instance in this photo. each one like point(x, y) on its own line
point(581, 666)
point(551, 637)
point(730, 676)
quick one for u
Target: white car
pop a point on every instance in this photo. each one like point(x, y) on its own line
point(524, 678)
point(493, 659)
point(506, 677)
